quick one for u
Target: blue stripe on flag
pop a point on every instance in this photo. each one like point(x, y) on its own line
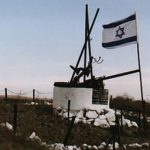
point(117, 23)
point(120, 42)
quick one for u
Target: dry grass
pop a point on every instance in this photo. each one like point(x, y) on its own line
point(51, 128)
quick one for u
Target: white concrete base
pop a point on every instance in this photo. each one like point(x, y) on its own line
point(80, 98)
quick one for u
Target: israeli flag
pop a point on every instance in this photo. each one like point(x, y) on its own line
point(120, 33)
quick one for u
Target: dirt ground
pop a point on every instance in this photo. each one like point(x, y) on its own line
point(52, 128)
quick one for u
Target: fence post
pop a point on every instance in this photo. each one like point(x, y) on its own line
point(69, 130)
point(6, 94)
point(139, 119)
point(121, 122)
point(15, 118)
point(33, 95)
point(69, 102)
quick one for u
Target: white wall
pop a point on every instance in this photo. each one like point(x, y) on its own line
point(80, 98)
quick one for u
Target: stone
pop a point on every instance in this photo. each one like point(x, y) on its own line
point(101, 123)
point(91, 114)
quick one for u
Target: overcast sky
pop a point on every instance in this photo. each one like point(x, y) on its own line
point(39, 39)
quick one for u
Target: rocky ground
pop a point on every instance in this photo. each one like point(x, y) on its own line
point(40, 127)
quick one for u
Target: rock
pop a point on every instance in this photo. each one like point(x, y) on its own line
point(71, 148)
point(94, 147)
point(7, 125)
point(110, 147)
point(77, 120)
point(32, 103)
point(89, 147)
point(135, 145)
point(59, 109)
point(102, 117)
point(84, 120)
point(89, 121)
point(80, 114)
point(116, 145)
point(101, 123)
point(145, 145)
point(65, 115)
point(134, 124)
point(102, 145)
point(84, 146)
point(110, 115)
point(91, 114)
point(100, 111)
point(127, 122)
point(59, 146)
point(33, 136)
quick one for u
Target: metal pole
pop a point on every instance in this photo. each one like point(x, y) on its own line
point(121, 128)
point(6, 94)
point(33, 95)
point(69, 101)
point(15, 118)
point(89, 46)
point(84, 43)
point(141, 85)
point(86, 32)
point(69, 130)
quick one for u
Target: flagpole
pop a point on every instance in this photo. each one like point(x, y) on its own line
point(141, 86)
point(140, 76)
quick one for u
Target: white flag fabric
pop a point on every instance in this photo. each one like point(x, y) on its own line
point(120, 33)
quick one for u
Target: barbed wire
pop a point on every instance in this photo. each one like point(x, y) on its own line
point(43, 92)
point(21, 93)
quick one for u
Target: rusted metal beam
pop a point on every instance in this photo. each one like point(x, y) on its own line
point(119, 75)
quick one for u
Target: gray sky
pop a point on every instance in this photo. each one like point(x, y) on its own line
point(39, 39)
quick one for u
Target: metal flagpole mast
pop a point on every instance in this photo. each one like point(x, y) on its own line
point(141, 86)
point(140, 76)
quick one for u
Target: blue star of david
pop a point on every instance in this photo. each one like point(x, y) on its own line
point(120, 32)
